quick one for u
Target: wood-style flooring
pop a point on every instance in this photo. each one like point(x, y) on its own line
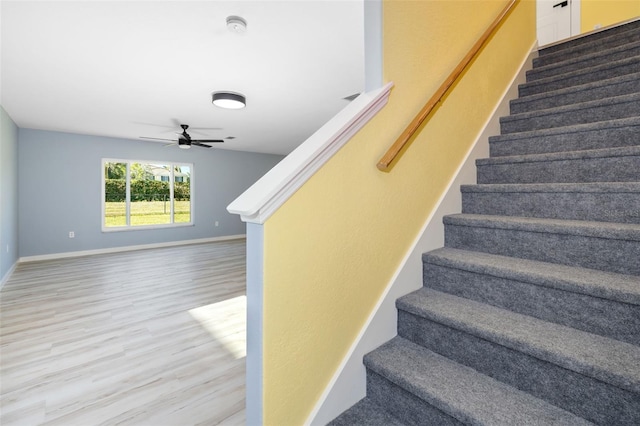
point(151, 337)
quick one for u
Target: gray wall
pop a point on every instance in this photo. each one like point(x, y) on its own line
point(8, 194)
point(60, 190)
point(373, 44)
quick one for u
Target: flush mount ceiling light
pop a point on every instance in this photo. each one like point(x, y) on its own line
point(229, 100)
point(236, 24)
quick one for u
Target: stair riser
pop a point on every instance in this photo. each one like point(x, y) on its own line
point(605, 254)
point(576, 64)
point(623, 207)
point(563, 82)
point(404, 405)
point(585, 49)
point(577, 141)
point(602, 38)
point(607, 169)
point(592, 314)
point(618, 89)
point(548, 119)
point(589, 398)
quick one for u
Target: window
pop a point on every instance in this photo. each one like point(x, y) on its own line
point(143, 193)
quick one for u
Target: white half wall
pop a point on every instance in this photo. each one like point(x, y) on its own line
point(348, 385)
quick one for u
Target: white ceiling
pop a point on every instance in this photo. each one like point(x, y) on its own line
point(140, 68)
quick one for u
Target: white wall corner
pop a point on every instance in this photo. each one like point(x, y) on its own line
point(7, 276)
point(347, 386)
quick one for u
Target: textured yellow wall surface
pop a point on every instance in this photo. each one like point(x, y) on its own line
point(332, 248)
point(603, 13)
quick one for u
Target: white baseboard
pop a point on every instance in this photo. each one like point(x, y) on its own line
point(348, 385)
point(54, 256)
point(7, 275)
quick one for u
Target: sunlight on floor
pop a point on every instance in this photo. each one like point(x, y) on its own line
point(226, 321)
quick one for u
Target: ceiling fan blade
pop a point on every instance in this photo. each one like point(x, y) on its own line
point(207, 140)
point(205, 128)
point(203, 131)
point(200, 144)
point(157, 139)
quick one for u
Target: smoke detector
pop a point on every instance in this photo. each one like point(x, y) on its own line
point(236, 24)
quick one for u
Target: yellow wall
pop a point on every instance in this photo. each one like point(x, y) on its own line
point(333, 247)
point(606, 12)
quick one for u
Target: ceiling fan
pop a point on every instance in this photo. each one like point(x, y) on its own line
point(185, 141)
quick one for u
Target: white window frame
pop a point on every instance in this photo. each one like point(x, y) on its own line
point(128, 227)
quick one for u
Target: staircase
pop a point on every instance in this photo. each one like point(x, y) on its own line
point(530, 314)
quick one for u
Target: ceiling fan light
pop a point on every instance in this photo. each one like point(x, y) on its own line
point(229, 100)
point(184, 146)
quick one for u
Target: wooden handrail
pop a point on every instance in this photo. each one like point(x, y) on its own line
point(392, 153)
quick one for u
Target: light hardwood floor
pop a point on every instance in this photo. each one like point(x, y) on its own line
point(151, 337)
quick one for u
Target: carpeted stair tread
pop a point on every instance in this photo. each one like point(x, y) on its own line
point(580, 137)
point(591, 201)
point(606, 304)
point(365, 413)
point(605, 230)
point(610, 87)
point(601, 358)
point(587, 60)
point(604, 187)
point(606, 246)
point(593, 40)
point(460, 391)
point(575, 128)
point(560, 156)
point(616, 107)
point(546, 56)
point(591, 282)
point(581, 76)
point(633, 99)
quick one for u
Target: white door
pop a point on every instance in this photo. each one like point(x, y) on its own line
point(555, 19)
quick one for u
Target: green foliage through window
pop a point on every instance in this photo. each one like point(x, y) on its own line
point(140, 193)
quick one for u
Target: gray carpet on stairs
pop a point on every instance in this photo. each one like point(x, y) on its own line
point(467, 395)
point(530, 314)
point(584, 61)
point(603, 202)
point(580, 137)
point(597, 302)
point(584, 45)
point(366, 413)
point(616, 86)
point(582, 76)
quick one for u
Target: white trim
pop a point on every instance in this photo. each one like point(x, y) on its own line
point(576, 17)
point(145, 227)
point(8, 275)
point(347, 386)
point(128, 248)
point(264, 197)
point(255, 317)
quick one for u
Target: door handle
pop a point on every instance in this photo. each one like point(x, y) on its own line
point(562, 4)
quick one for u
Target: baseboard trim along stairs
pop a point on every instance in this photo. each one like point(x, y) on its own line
point(530, 313)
